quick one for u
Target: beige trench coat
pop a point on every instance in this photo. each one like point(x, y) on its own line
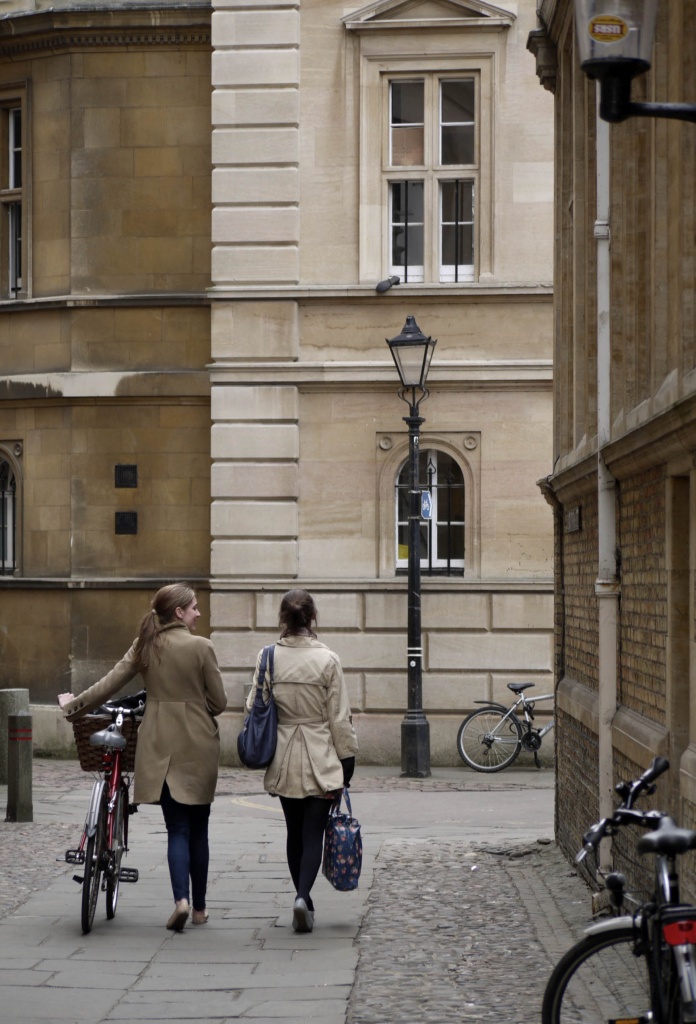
point(315, 728)
point(178, 740)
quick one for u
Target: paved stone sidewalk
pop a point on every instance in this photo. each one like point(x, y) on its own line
point(455, 928)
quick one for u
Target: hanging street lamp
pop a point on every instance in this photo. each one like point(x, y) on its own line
point(412, 352)
point(615, 43)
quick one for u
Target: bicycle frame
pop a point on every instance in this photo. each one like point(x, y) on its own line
point(511, 711)
point(664, 929)
point(104, 839)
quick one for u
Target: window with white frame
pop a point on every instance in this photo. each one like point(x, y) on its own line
point(442, 536)
point(12, 198)
point(8, 518)
point(431, 169)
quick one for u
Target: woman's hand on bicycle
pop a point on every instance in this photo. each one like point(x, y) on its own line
point(65, 698)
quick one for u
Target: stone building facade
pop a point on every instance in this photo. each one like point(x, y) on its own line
point(240, 361)
point(624, 431)
point(339, 137)
point(104, 328)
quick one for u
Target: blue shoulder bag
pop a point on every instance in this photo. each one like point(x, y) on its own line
point(256, 742)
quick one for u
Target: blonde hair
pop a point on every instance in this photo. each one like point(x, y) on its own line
point(162, 612)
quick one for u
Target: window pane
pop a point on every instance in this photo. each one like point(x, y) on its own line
point(15, 146)
point(402, 500)
point(458, 144)
point(456, 542)
point(458, 101)
point(457, 229)
point(457, 121)
point(14, 214)
point(407, 102)
point(407, 228)
point(407, 131)
point(407, 202)
point(407, 147)
point(457, 199)
point(7, 518)
point(457, 245)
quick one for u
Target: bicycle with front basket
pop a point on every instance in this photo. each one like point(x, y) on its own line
point(638, 968)
point(490, 738)
point(109, 751)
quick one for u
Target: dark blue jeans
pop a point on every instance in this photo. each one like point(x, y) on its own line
point(187, 847)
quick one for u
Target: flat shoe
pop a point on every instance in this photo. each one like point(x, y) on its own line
point(199, 917)
point(302, 916)
point(180, 916)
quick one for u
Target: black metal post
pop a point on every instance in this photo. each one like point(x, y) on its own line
point(415, 729)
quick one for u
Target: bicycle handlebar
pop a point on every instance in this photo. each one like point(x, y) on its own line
point(625, 814)
point(133, 704)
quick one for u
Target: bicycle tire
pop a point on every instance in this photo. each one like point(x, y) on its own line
point(479, 749)
point(113, 873)
point(94, 864)
point(600, 979)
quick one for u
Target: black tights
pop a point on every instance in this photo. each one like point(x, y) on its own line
point(306, 822)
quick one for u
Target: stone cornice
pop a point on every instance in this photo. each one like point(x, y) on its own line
point(472, 292)
point(103, 384)
point(97, 28)
point(491, 374)
point(163, 299)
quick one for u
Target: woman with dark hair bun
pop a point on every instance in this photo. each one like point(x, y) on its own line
point(315, 755)
point(178, 749)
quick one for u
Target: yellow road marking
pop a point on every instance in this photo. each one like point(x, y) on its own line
point(246, 802)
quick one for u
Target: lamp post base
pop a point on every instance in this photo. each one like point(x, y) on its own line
point(415, 748)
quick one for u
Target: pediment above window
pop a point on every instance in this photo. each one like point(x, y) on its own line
point(422, 14)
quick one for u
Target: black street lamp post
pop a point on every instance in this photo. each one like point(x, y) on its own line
point(615, 42)
point(412, 352)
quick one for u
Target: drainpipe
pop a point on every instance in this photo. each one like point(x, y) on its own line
point(607, 587)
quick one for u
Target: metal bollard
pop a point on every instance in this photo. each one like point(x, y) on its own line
point(19, 768)
point(12, 702)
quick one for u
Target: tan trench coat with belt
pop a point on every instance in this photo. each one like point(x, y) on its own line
point(178, 740)
point(315, 728)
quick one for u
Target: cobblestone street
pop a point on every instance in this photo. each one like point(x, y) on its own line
point(464, 933)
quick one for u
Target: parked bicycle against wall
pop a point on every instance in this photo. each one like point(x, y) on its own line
point(110, 751)
point(490, 738)
point(636, 968)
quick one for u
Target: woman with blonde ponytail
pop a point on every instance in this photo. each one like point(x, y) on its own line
point(176, 759)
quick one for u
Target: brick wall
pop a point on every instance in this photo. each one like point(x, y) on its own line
point(638, 869)
point(643, 614)
point(577, 804)
point(581, 612)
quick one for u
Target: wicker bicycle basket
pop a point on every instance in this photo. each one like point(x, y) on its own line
point(91, 757)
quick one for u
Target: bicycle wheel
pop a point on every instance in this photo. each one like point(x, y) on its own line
point(600, 979)
point(486, 742)
point(113, 872)
point(94, 863)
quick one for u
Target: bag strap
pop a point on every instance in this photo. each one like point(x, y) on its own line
point(267, 660)
point(336, 805)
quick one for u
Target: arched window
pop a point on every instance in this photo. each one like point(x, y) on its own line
point(442, 536)
point(8, 519)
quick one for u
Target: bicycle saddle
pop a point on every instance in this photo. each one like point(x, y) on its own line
point(668, 839)
point(519, 687)
point(108, 738)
